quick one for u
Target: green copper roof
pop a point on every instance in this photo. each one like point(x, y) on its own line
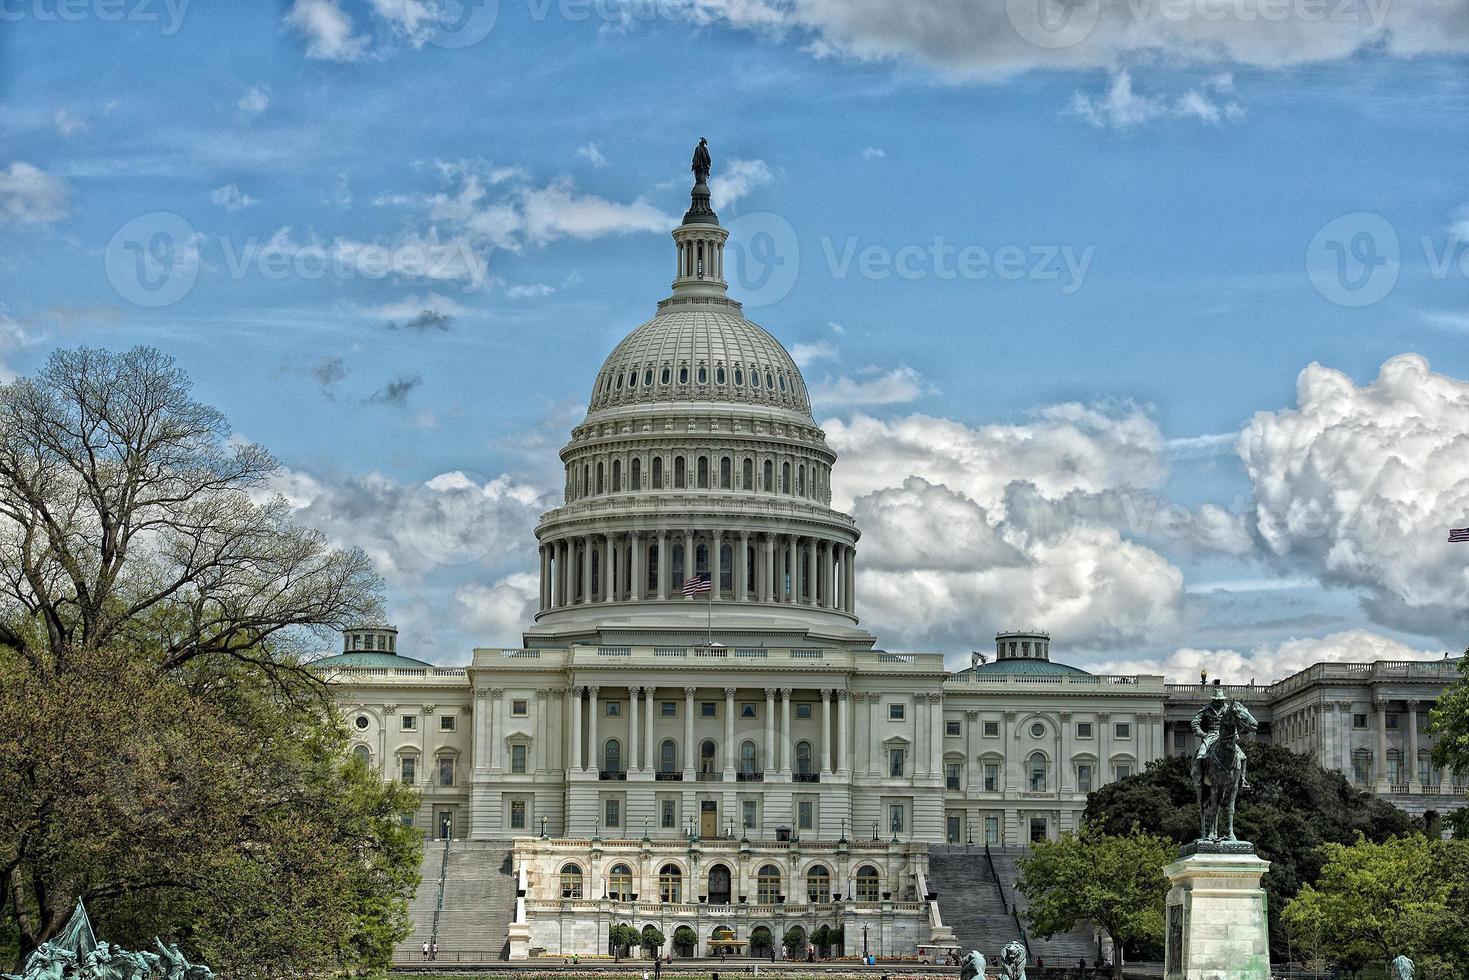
point(1024, 665)
point(368, 658)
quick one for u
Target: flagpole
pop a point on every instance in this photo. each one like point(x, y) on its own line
point(709, 618)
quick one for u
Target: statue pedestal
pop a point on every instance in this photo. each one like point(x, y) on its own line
point(1216, 927)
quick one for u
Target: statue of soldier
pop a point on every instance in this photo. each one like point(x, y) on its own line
point(171, 961)
point(1206, 726)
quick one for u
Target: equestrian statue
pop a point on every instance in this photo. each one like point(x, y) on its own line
point(1220, 764)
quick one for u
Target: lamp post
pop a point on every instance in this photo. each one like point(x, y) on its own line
point(874, 830)
point(864, 942)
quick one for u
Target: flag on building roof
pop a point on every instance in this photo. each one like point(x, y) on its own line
point(697, 585)
point(1459, 534)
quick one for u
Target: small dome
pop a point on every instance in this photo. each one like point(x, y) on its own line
point(1016, 665)
point(368, 658)
point(708, 354)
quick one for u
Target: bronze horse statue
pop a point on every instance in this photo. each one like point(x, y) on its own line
point(1219, 772)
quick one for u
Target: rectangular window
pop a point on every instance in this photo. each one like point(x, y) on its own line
point(747, 709)
point(1359, 721)
point(896, 712)
point(612, 813)
point(517, 814)
point(1122, 730)
point(668, 709)
point(408, 767)
point(407, 819)
point(895, 762)
point(1037, 829)
point(991, 777)
point(991, 830)
point(709, 709)
point(748, 813)
point(410, 723)
point(446, 723)
point(953, 828)
point(805, 815)
point(951, 729)
point(667, 814)
point(446, 770)
point(991, 729)
point(803, 709)
point(951, 775)
point(1180, 741)
point(614, 709)
point(1392, 721)
point(1123, 770)
point(1083, 729)
point(517, 760)
point(519, 708)
point(897, 817)
point(1083, 779)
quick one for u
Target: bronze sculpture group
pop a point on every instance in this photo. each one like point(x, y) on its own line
point(1011, 962)
point(76, 954)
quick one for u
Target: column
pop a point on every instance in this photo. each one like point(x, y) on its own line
point(665, 560)
point(767, 574)
point(593, 748)
point(586, 569)
point(785, 731)
point(609, 568)
point(1380, 763)
point(874, 740)
point(690, 751)
point(481, 723)
point(689, 565)
point(1067, 775)
point(545, 577)
point(811, 573)
point(1104, 739)
point(716, 569)
point(1414, 786)
point(729, 748)
point(936, 733)
point(769, 753)
point(844, 723)
point(742, 568)
point(573, 705)
point(793, 594)
point(825, 746)
point(649, 748)
point(543, 730)
point(1007, 783)
point(633, 693)
point(973, 774)
point(850, 571)
point(637, 575)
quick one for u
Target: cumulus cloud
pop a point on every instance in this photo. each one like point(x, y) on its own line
point(30, 196)
point(328, 29)
point(1122, 108)
point(1268, 663)
point(414, 305)
point(499, 612)
point(807, 354)
point(871, 386)
point(69, 123)
point(736, 178)
point(1357, 485)
point(873, 153)
point(231, 198)
point(592, 154)
point(255, 100)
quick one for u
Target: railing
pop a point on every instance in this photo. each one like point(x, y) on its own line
point(807, 653)
point(439, 903)
point(750, 777)
point(753, 653)
point(999, 885)
point(805, 777)
point(521, 654)
point(670, 651)
point(614, 651)
point(710, 777)
point(611, 774)
point(668, 777)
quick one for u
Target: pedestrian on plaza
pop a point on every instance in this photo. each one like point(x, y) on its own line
point(425, 950)
point(433, 952)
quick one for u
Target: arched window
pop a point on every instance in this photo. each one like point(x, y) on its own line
point(1037, 767)
point(1362, 767)
point(818, 884)
point(683, 375)
point(803, 758)
point(670, 884)
point(868, 884)
point(667, 756)
point(363, 754)
point(679, 473)
point(586, 480)
point(616, 475)
point(706, 757)
point(652, 583)
point(619, 883)
point(599, 476)
point(767, 885)
point(747, 475)
point(679, 566)
point(703, 375)
point(739, 376)
point(648, 378)
point(632, 378)
point(719, 885)
point(769, 476)
point(703, 472)
point(612, 756)
point(719, 375)
point(701, 558)
point(571, 881)
point(637, 473)
point(785, 477)
point(800, 481)
point(657, 472)
point(747, 758)
point(769, 380)
point(726, 567)
point(726, 469)
point(665, 377)
point(754, 377)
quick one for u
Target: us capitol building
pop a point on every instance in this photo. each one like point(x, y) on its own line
point(731, 765)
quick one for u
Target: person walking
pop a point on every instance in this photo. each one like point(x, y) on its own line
point(425, 950)
point(433, 952)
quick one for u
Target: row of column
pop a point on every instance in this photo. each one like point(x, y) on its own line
point(642, 753)
point(781, 568)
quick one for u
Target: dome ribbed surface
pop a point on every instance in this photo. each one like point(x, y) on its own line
point(368, 658)
point(1021, 665)
point(701, 355)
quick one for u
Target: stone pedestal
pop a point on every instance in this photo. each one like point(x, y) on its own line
point(1216, 927)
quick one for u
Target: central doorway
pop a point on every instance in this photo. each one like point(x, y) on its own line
point(708, 818)
point(719, 892)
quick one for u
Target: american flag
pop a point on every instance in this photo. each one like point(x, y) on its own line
point(1459, 534)
point(697, 585)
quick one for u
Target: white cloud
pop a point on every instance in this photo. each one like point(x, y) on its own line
point(736, 178)
point(1267, 663)
point(499, 613)
point(589, 152)
point(30, 196)
point(1459, 225)
point(1358, 485)
point(1122, 108)
point(413, 20)
point(529, 291)
point(231, 198)
point(873, 153)
point(413, 305)
point(411, 256)
point(807, 354)
point(872, 386)
point(328, 30)
point(68, 123)
point(255, 100)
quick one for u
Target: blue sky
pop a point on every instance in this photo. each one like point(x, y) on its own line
point(393, 240)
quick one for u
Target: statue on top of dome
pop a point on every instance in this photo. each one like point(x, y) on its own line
point(702, 162)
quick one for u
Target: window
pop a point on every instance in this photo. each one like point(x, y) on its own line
point(747, 709)
point(408, 769)
point(953, 828)
point(803, 758)
point(519, 708)
point(805, 815)
point(657, 472)
point(1361, 766)
point(570, 881)
point(951, 775)
point(897, 817)
point(670, 885)
point(1084, 778)
point(709, 709)
point(769, 479)
point(951, 729)
point(991, 777)
point(1037, 829)
point(648, 378)
point(895, 712)
point(664, 377)
point(517, 760)
point(361, 722)
point(1359, 721)
point(991, 729)
point(818, 884)
point(612, 756)
point(612, 813)
point(680, 472)
point(803, 709)
point(704, 472)
point(637, 474)
point(1122, 729)
point(668, 709)
point(991, 830)
point(895, 763)
point(667, 756)
point(747, 475)
point(614, 709)
point(739, 376)
point(410, 723)
point(1037, 730)
point(446, 770)
point(446, 723)
point(703, 375)
point(667, 814)
point(1122, 770)
point(747, 758)
point(683, 375)
point(619, 880)
point(749, 812)
point(726, 476)
point(517, 814)
point(1083, 729)
point(868, 885)
point(706, 756)
point(1392, 721)
point(767, 885)
point(1037, 767)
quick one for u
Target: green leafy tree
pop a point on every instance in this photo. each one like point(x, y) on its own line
point(1293, 806)
point(168, 756)
point(685, 939)
point(821, 939)
point(1116, 881)
point(760, 940)
point(623, 938)
point(794, 941)
point(652, 939)
point(1374, 901)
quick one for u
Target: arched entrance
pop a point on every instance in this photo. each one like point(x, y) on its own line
point(719, 890)
point(684, 941)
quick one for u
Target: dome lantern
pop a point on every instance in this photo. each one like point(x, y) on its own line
point(699, 241)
